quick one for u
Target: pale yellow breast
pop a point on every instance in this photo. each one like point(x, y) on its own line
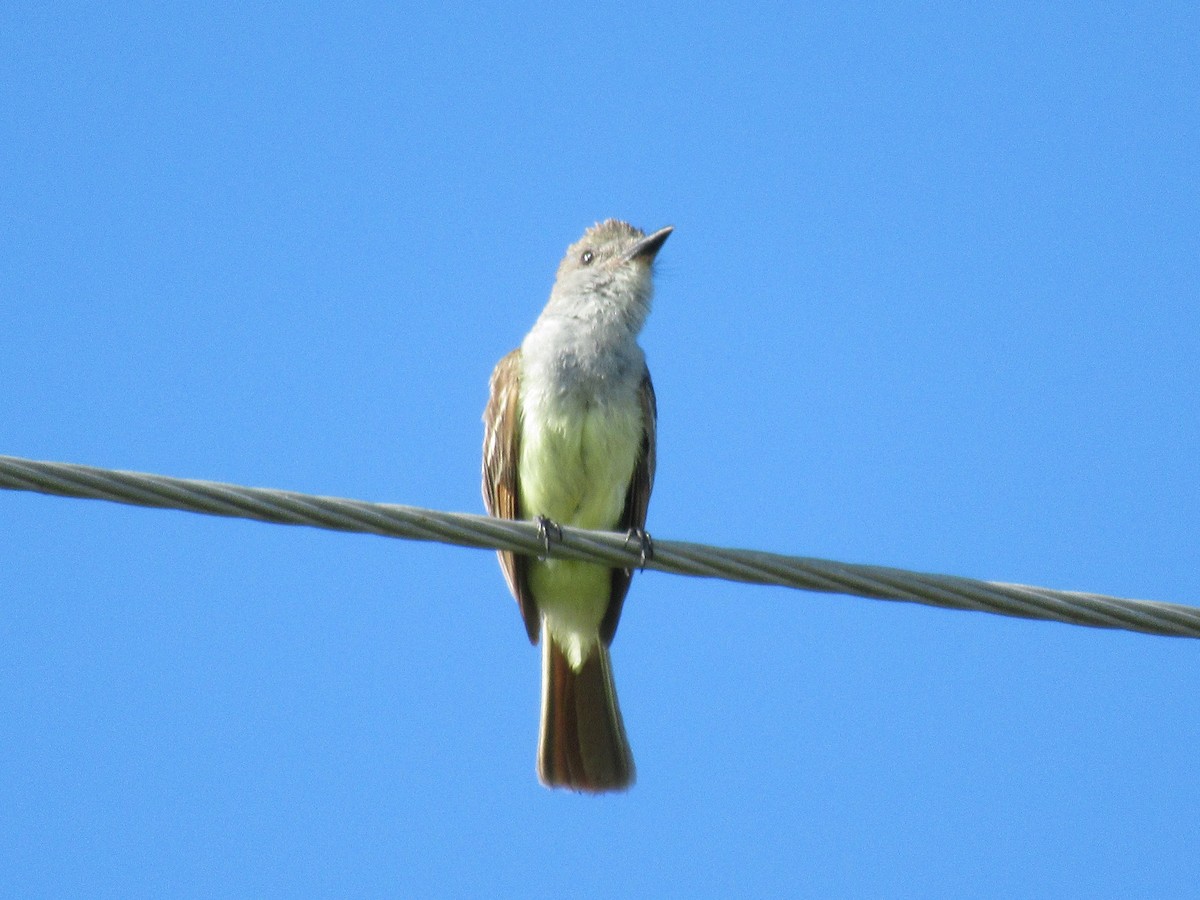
point(577, 461)
point(575, 467)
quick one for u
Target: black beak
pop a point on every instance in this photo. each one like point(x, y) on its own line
point(647, 248)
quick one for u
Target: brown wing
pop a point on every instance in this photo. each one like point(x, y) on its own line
point(501, 496)
point(637, 500)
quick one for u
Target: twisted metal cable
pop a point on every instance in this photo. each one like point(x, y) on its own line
point(414, 523)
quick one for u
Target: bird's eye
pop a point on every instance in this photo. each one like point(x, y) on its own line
point(586, 257)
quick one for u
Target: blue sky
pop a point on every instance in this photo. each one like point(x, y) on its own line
point(931, 302)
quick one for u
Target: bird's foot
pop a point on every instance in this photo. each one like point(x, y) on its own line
point(645, 544)
point(547, 527)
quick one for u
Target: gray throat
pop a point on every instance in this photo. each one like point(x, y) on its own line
point(594, 358)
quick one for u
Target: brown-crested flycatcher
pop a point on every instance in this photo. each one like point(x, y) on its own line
point(569, 434)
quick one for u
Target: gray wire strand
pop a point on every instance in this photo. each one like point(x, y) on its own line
point(414, 523)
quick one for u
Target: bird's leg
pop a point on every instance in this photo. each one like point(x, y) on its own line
point(547, 527)
point(645, 544)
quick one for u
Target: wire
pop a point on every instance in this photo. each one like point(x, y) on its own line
point(414, 523)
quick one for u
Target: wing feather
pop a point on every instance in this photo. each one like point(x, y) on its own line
point(637, 501)
point(501, 491)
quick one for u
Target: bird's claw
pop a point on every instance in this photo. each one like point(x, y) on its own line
point(644, 542)
point(547, 527)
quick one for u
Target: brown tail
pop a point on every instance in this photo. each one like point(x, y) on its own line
point(582, 744)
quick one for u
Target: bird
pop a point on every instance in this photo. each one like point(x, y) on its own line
point(570, 439)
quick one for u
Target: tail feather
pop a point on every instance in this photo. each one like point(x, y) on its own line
point(582, 744)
